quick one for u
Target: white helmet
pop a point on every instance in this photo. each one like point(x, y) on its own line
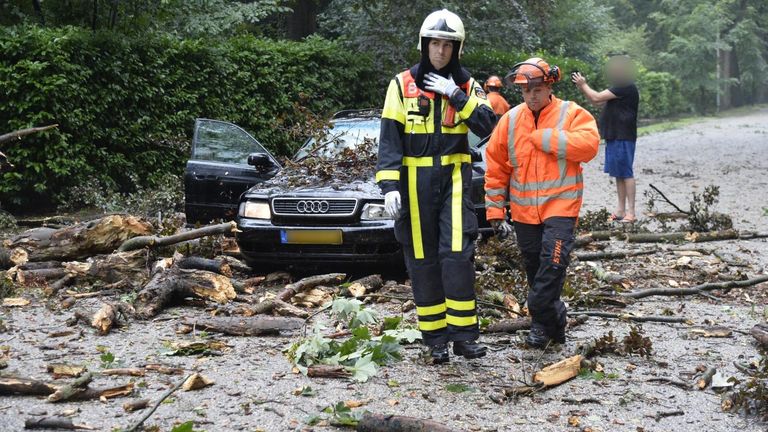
point(443, 24)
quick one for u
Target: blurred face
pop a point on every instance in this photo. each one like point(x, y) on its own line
point(536, 97)
point(440, 52)
point(620, 71)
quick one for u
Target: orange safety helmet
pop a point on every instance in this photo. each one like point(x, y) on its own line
point(493, 81)
point(532, 72)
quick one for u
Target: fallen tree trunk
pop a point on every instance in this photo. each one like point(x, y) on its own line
point(698, 289)
point(245, 326)
point(393, 423)
point(24, 386)
point(175, 284)
point(79, 241)
point(152, 242)
point(307, 283)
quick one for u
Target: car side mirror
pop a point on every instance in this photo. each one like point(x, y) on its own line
point(260, 161)
point(477, 156)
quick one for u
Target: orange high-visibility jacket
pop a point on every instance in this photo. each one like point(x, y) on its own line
point(498, 103)
point(536, 166)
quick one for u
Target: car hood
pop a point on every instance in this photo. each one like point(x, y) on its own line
point(353, 189)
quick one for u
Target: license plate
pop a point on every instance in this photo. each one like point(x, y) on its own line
point(332, 237)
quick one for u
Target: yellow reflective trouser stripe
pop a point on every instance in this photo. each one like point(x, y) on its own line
point(432, 325)
point(456, 197)
point(430, 310)
point(461, 321)
point(413, 163)
point(460, 305)
point(387, 175)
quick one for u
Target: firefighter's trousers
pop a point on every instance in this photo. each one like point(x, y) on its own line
point(437, 228)
point(546, 249)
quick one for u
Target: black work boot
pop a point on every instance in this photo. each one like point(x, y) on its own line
point(469, 349)
point(439, 353)
point(559, 335)
point(538, 338)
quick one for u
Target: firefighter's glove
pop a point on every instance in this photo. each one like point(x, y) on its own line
point(392, 203)
point(502, 228)
point(436, 83)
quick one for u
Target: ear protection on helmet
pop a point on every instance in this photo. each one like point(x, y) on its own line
point(552, 76)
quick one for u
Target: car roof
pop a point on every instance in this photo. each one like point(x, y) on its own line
point(358, 114)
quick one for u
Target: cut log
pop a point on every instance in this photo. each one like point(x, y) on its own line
point(361, 286)
point(309, 282)
point(760, 333)
point(25, 387)
point(393, 423)
point(153, 242)
point(327, 371)
point(71, 390)
point(244, 326)
point(198, 263)
point(54, 423)
point(559, 372)
point(175, 284)
point(79, 241)
point(630, 317)
point(119, 267)
point(136, 405)
point(107, 317)
point(706, 378)
point(509, 325)
point(698, 289)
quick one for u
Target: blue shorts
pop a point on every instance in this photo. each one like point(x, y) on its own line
point(619, 157)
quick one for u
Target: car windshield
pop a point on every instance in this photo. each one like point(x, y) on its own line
point(343, 135)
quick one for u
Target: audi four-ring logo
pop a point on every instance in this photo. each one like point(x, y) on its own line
point(307, 206)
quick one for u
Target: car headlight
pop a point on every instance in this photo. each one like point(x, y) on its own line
point(374, 212)
point(255, 210)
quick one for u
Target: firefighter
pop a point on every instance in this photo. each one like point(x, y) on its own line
point(534, 162)
point(493, 87)
point(424, 157)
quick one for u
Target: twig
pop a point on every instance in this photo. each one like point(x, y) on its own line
point(664, 197)
point(312, 315)
point(628, 317)
point(676, 383)
point(165, 395)
point(661, 414)
point(698, 289)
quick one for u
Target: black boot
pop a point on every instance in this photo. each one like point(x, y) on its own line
point(538, 338)
point(439, 353)
point(469, 349)
point(559, 335)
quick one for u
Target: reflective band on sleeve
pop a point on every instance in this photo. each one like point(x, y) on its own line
point(494, 204)
point(542, 199)
point(393, 104)
point(460, 305)
point(511, 137)
point(430, 310)
point(387, 175)
point(563, 112)
point(562, 148)
point(546, 140)
point(496, 192)
point(432, 325)
point(460, 321)
point(413, 202)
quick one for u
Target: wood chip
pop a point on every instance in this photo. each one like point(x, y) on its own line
point(196, 381)
point(15, 302)
point(559, 372)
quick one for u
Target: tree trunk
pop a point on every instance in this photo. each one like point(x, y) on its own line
point(84, 240)
point(244, 326)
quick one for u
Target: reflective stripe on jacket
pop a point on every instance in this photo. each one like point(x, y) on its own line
point(408, 130)
point(536, 167)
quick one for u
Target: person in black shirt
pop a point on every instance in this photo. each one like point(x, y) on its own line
point(618, 127)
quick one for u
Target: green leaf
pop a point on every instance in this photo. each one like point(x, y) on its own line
point(392, 323)
point(363, 369)
point(184, 427)
point(458, 388)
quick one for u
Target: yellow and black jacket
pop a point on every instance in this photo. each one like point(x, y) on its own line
point(416, 124)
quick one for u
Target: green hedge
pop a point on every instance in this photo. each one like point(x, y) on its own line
point(660, 95)
point(126, 105)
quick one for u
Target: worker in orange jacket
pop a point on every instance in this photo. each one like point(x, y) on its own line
point(493, 86)
point(534, 161)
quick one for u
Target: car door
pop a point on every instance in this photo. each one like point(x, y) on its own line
point(218, 172)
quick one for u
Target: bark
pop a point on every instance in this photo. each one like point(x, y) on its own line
point(244, 326)
point(559, 372)
point(327, 371)
point(24, 386)
point(5, 259)
point(119, 267)
point(698, 289)
point(307, 283)
point(72, 389)
point(53, 423)
point(60, 284)
point(393, 423)
point(760, 333)
point(509, 325)
point(24, 132)
point(175, 284)
point(79, 241)
point(628, 317)
point(198, 263)
point(153, 242)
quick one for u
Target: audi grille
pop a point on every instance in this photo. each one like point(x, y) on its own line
point(314, 206)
